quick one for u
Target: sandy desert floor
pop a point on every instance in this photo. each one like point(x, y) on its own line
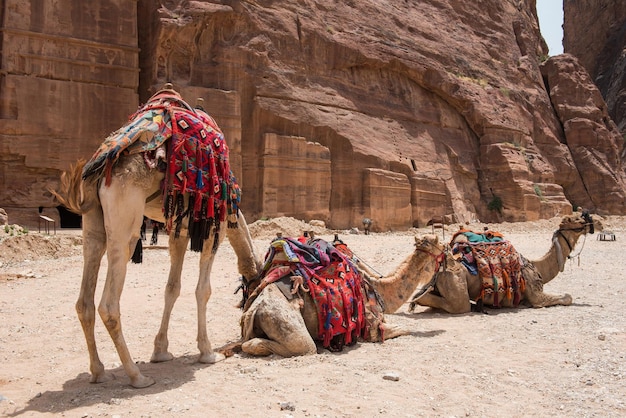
point(559, 361)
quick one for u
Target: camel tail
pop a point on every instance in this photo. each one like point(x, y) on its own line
point(76, 194)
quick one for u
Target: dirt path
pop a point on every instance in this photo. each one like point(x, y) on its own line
point(561, 361)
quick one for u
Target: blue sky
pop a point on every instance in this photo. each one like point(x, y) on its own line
point(550, 14)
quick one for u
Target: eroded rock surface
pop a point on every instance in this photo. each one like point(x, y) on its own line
point(595, 32)
point(348, 110)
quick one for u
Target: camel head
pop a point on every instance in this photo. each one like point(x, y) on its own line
point(430, 244)
point(426, 241)
point(580, 221)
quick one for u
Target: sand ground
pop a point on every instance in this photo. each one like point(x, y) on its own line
point(559, 361)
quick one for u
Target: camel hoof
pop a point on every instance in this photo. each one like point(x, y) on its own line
point(161, 357)
point(211, 358)
point(230, 349)
point(101, 377)
point(567, 299)
point(142, 382)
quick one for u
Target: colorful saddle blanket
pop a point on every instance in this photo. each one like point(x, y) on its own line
point(334, 283)
point(197, 162)
point(496, 261)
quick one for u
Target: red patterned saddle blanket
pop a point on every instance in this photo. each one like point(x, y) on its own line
point(496, 261)
point(335, 286)
point(500, 268)
point(197, 162)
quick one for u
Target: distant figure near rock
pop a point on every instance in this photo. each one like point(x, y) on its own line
point(367, 223)
point(4, 218)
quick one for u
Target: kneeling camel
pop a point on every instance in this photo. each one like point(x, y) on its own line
point(455, 288)
point(274, 324)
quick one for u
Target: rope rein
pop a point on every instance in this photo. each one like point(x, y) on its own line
point(559, 232)
point(440, 266)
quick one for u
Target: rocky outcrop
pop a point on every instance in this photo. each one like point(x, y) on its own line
point(593, 139)
point(394, 99)
point(348, 110)
point(595, 32)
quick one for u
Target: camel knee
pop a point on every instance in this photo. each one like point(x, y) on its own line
point(295, 346)
point(85, 311)
point(203, 294)
point(305, 348)
point(172, 289)
point(110, 317)
point(263, 347)
point(256, 347)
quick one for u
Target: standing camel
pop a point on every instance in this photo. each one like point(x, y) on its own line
point(455, 288)
point(169, 163)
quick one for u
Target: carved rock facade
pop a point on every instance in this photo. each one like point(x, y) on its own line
point(337, 111)
point(69, 77)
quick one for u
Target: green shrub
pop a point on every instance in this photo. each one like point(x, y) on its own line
point(495, 204)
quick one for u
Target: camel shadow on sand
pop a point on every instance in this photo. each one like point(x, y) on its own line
point(78, 392)
point(434, 312)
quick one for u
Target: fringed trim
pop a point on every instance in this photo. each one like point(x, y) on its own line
point(137, 256)
point(204, 215)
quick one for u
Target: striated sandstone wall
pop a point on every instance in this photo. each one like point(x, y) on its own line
point(403, 112)
point(69, 77)
point(447, 96)
point(295, 178)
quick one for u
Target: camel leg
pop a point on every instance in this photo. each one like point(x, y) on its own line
point(123, 206)
point(392, 331)
point(94, 245)
point(534, 294)
point(177, 247)
point(282, 323)
point(544, 300)
point(454, 294)
point(203, 294)
point(539, 299)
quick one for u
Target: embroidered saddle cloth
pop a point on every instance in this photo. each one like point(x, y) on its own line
point(197, 162)
point(334, 283)
point(496, 261)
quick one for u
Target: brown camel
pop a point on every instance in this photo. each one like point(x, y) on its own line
point(274, 324)
point(112, 203)
point(454, 289)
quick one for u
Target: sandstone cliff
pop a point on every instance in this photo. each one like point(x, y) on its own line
point(595, 32)
point(347, 110)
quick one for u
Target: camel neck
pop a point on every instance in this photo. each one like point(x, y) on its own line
point(398, 287)
point(553, 262)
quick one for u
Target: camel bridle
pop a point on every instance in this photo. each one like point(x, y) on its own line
point(559, 233)
point(440, 266)
point(440, 260)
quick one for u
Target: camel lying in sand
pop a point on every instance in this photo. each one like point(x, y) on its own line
point(454, 289)
point(274, 324)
